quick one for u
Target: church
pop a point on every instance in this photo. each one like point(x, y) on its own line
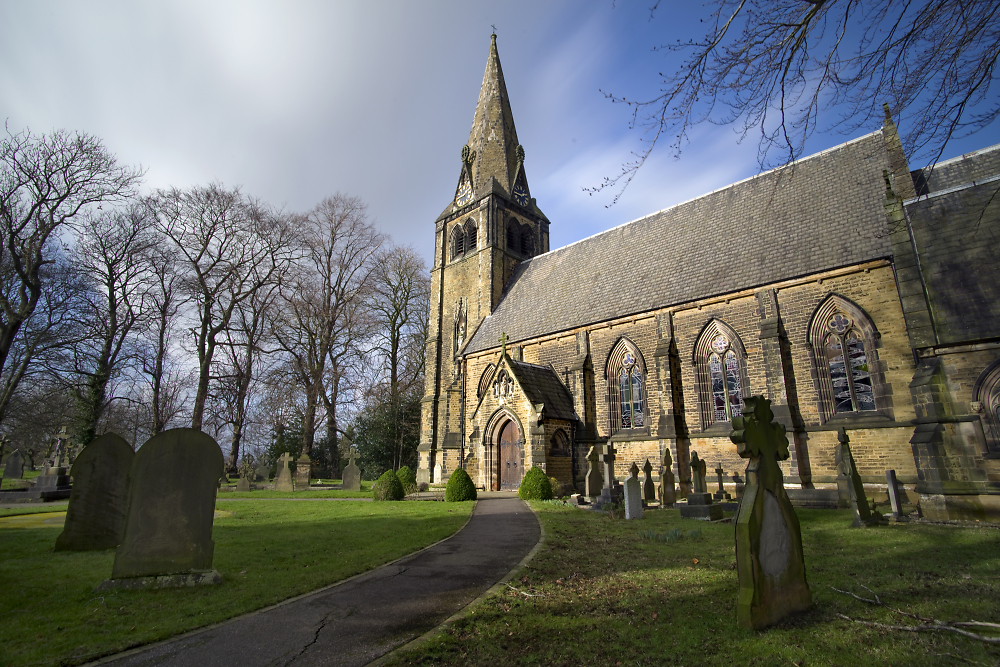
point(849, 290)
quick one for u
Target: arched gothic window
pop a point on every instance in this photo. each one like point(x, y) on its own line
point(720, 359)
point(843, 341)
point(527, 241)
point(485, 379)
point(457, 242)
point(626, 377)
point(986, 393)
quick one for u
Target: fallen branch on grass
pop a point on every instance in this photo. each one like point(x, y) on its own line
point(927, 624)
point(530, 595)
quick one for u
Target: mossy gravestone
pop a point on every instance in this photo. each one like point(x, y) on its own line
point(168, 531)
point(850, 485)
point(769, 562)
point(14, 466)
point(98, 502)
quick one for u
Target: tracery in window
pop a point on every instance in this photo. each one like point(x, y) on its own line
point(986, 402)
point(720, 359)
point(843, 342)
point(485, 379)
point(626, 375)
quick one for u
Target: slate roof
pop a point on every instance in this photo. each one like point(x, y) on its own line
point(542, 385)
point(822, 212)
point(954, 229)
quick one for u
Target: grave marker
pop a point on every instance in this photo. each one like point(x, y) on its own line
point(593, 481)
point(699, 501)
point(247, 474)
point(633, 497)
point(648, 488)
point(848, 479)
point(668, 493)
point(894, 499)
point(769, 563)
point(168, 531)
point(352, 474)
point(14, 466)
point(721, 494)
point(98, 502)
point(283, 480)
point(611, 491)
point(303, 472)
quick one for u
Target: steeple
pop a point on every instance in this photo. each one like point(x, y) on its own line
point(493, 147)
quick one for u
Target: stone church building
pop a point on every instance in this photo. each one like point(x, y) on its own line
point(849, 290)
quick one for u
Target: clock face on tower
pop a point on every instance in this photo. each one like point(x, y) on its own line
point(521, 195)
point(464, 194)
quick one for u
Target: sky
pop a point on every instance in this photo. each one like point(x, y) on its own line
point(296, 100)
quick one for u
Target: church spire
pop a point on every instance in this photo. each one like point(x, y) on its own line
point(493, 143)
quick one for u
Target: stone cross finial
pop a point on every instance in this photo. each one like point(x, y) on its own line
point(503, 343)
point(352, 454)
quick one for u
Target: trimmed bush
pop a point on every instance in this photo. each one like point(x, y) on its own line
point(387, 487)
point(535, 486)
point(408, 479)
point(460, 487)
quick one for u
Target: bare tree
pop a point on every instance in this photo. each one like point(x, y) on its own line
point(112, 253)
point(46, 181)
point(773, 67)
point(230, 246)
point(323, 311)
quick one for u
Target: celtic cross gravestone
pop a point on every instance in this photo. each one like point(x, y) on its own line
point(283, 480)
point(769, 563)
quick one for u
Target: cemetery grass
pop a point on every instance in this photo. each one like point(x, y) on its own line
point(365, 492)
point(13, 483)
point(31, 508)
point(599, 592)
point(266, 551)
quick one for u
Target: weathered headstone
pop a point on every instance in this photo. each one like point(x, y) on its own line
point(668, 493)
point(848, 479)
point(14, 466)
point(261, 473)
point(633, 494)
point(283, 480)
point(769, 563)
point(168, 531)
point(352, 474)
point(98, 502)
point(648, 488)
point(895, 501)
point(303, 472)
point(247, 474)
point(721, 495)
point(593, 481)
point(699, 501)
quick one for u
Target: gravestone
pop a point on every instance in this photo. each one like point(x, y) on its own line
point(283, 480)
point(668, 493)
point(738, 483)
point(894, 497)
point(633, 494)
point(593, 481)
point(261, 473)
point(611, 491)
point(98, 502)
point(247, 473)
point(303, 472)
point(14, 466)
point(699, 501)
point(769, 563)
point(721, 495)
point(54, 482)
point(352, 474)
point(849, 483)
point(168, 531)
point(648, 488)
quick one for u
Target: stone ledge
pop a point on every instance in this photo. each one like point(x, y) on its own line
point(200, 578)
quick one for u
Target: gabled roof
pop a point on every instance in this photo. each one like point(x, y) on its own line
point(822, 212)
point(542, 385)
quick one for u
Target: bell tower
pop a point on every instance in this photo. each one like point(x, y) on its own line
point(490, 225)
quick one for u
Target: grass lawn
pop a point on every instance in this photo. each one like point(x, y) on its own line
point(609, 592)
point(13, 483)
point(32, 508)
point(365, 492)
point(266, 551)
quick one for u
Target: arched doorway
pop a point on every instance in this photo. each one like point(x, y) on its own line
point(510, 468)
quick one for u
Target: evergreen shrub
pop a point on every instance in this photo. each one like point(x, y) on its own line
point(387, 487)
point(460, 487)
point(408, 479)
point(535, 486)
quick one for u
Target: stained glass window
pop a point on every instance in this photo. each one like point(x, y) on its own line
point(849, 371)
point(630, 392)
point(727, 389)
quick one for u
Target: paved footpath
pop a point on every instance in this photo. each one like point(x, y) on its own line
point(360, 620)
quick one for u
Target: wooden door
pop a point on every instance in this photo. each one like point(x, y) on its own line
point(509, 462)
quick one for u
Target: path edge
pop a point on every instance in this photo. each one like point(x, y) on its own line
point(469, 608)
point(197, 631)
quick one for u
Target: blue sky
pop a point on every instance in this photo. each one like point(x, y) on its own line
point(296, 100)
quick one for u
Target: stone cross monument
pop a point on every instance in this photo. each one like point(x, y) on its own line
point(772, 573)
